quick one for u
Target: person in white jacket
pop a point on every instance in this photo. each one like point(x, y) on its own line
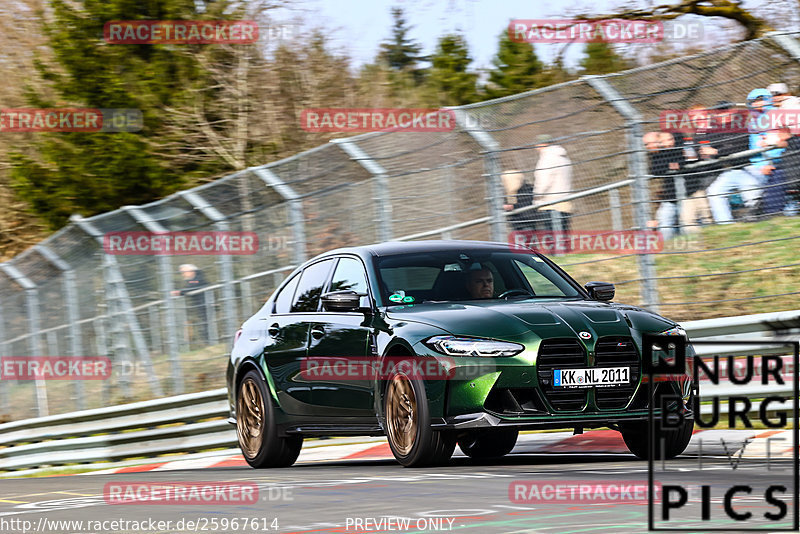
point(552, 181)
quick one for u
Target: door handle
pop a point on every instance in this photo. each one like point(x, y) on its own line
point(274, 330)
point(317, 332)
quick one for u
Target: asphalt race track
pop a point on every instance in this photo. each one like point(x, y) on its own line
point(377, 495)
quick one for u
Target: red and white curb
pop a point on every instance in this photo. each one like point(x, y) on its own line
point(721, 443)
point(708, 442)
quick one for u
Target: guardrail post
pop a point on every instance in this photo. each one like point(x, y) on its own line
point(225, 263)
point(637, 161)
point(164, 267)
point(70, 290)
point(115, 282)
point(383, 203)
point(34, 346)
point(497, 215)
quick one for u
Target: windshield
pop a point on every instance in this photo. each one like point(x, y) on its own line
point(469, 275)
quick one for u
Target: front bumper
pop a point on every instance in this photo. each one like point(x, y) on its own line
point(487, 420)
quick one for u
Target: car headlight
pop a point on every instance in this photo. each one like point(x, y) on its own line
point(469, 346)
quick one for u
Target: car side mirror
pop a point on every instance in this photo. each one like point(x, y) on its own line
point(342, 301)
point(603, 291)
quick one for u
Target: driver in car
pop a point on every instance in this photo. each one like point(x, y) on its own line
point(480, 283)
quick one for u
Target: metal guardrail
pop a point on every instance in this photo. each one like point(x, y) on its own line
point(198, 421)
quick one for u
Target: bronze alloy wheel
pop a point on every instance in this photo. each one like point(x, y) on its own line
point(402, 418)
point(250, 418)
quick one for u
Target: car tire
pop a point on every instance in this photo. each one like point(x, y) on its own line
point(408, 426)
point(484, 444)
point(673, 440)
point(256, 430)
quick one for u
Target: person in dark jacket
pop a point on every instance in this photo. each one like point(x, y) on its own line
point(665, 162)
point(519, 194)
point(788, 167)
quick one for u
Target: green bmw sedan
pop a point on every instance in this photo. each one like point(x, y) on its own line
point(442, 343)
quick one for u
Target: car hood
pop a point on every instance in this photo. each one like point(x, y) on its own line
point(502, 319)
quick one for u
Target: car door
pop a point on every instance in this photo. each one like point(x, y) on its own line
point(337, 336)
point(287, 333)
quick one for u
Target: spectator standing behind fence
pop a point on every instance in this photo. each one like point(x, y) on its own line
point(748, 180)
point(519, 194)
point(552, 181)
point(197, 314)
point(697, 147)
point(665, 162)
point(788, 169)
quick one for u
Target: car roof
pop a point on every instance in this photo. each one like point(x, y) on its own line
point(392, 248)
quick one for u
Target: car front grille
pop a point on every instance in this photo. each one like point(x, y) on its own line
point(560, 354)
point(616, 352)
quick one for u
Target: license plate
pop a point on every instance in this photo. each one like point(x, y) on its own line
point(598, 376)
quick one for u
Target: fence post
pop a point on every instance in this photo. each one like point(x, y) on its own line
point(225, 262)
point(113, 278)
point(118, 343)
point(383, 203)
point(295, 203)
point(70, 290)
point(786, 42)
point(637, 161)
point(164, 267)
point(616, 211)
point(497, 215)
point(32, 304)
point(3, 352)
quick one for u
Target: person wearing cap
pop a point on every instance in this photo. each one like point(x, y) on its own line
point(193, 279)
point(781, 97)
point(552, 181)
point(749, 181)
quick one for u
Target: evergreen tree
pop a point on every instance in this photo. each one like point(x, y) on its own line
point(89, 173)
point(450, 81)
point(516, 68)
point(400, 53)
point(601, 58)
point(556, 72)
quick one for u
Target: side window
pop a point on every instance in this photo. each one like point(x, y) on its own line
point(306, 298)
point(541, 285)
point(283, 301)
point(349, 274)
